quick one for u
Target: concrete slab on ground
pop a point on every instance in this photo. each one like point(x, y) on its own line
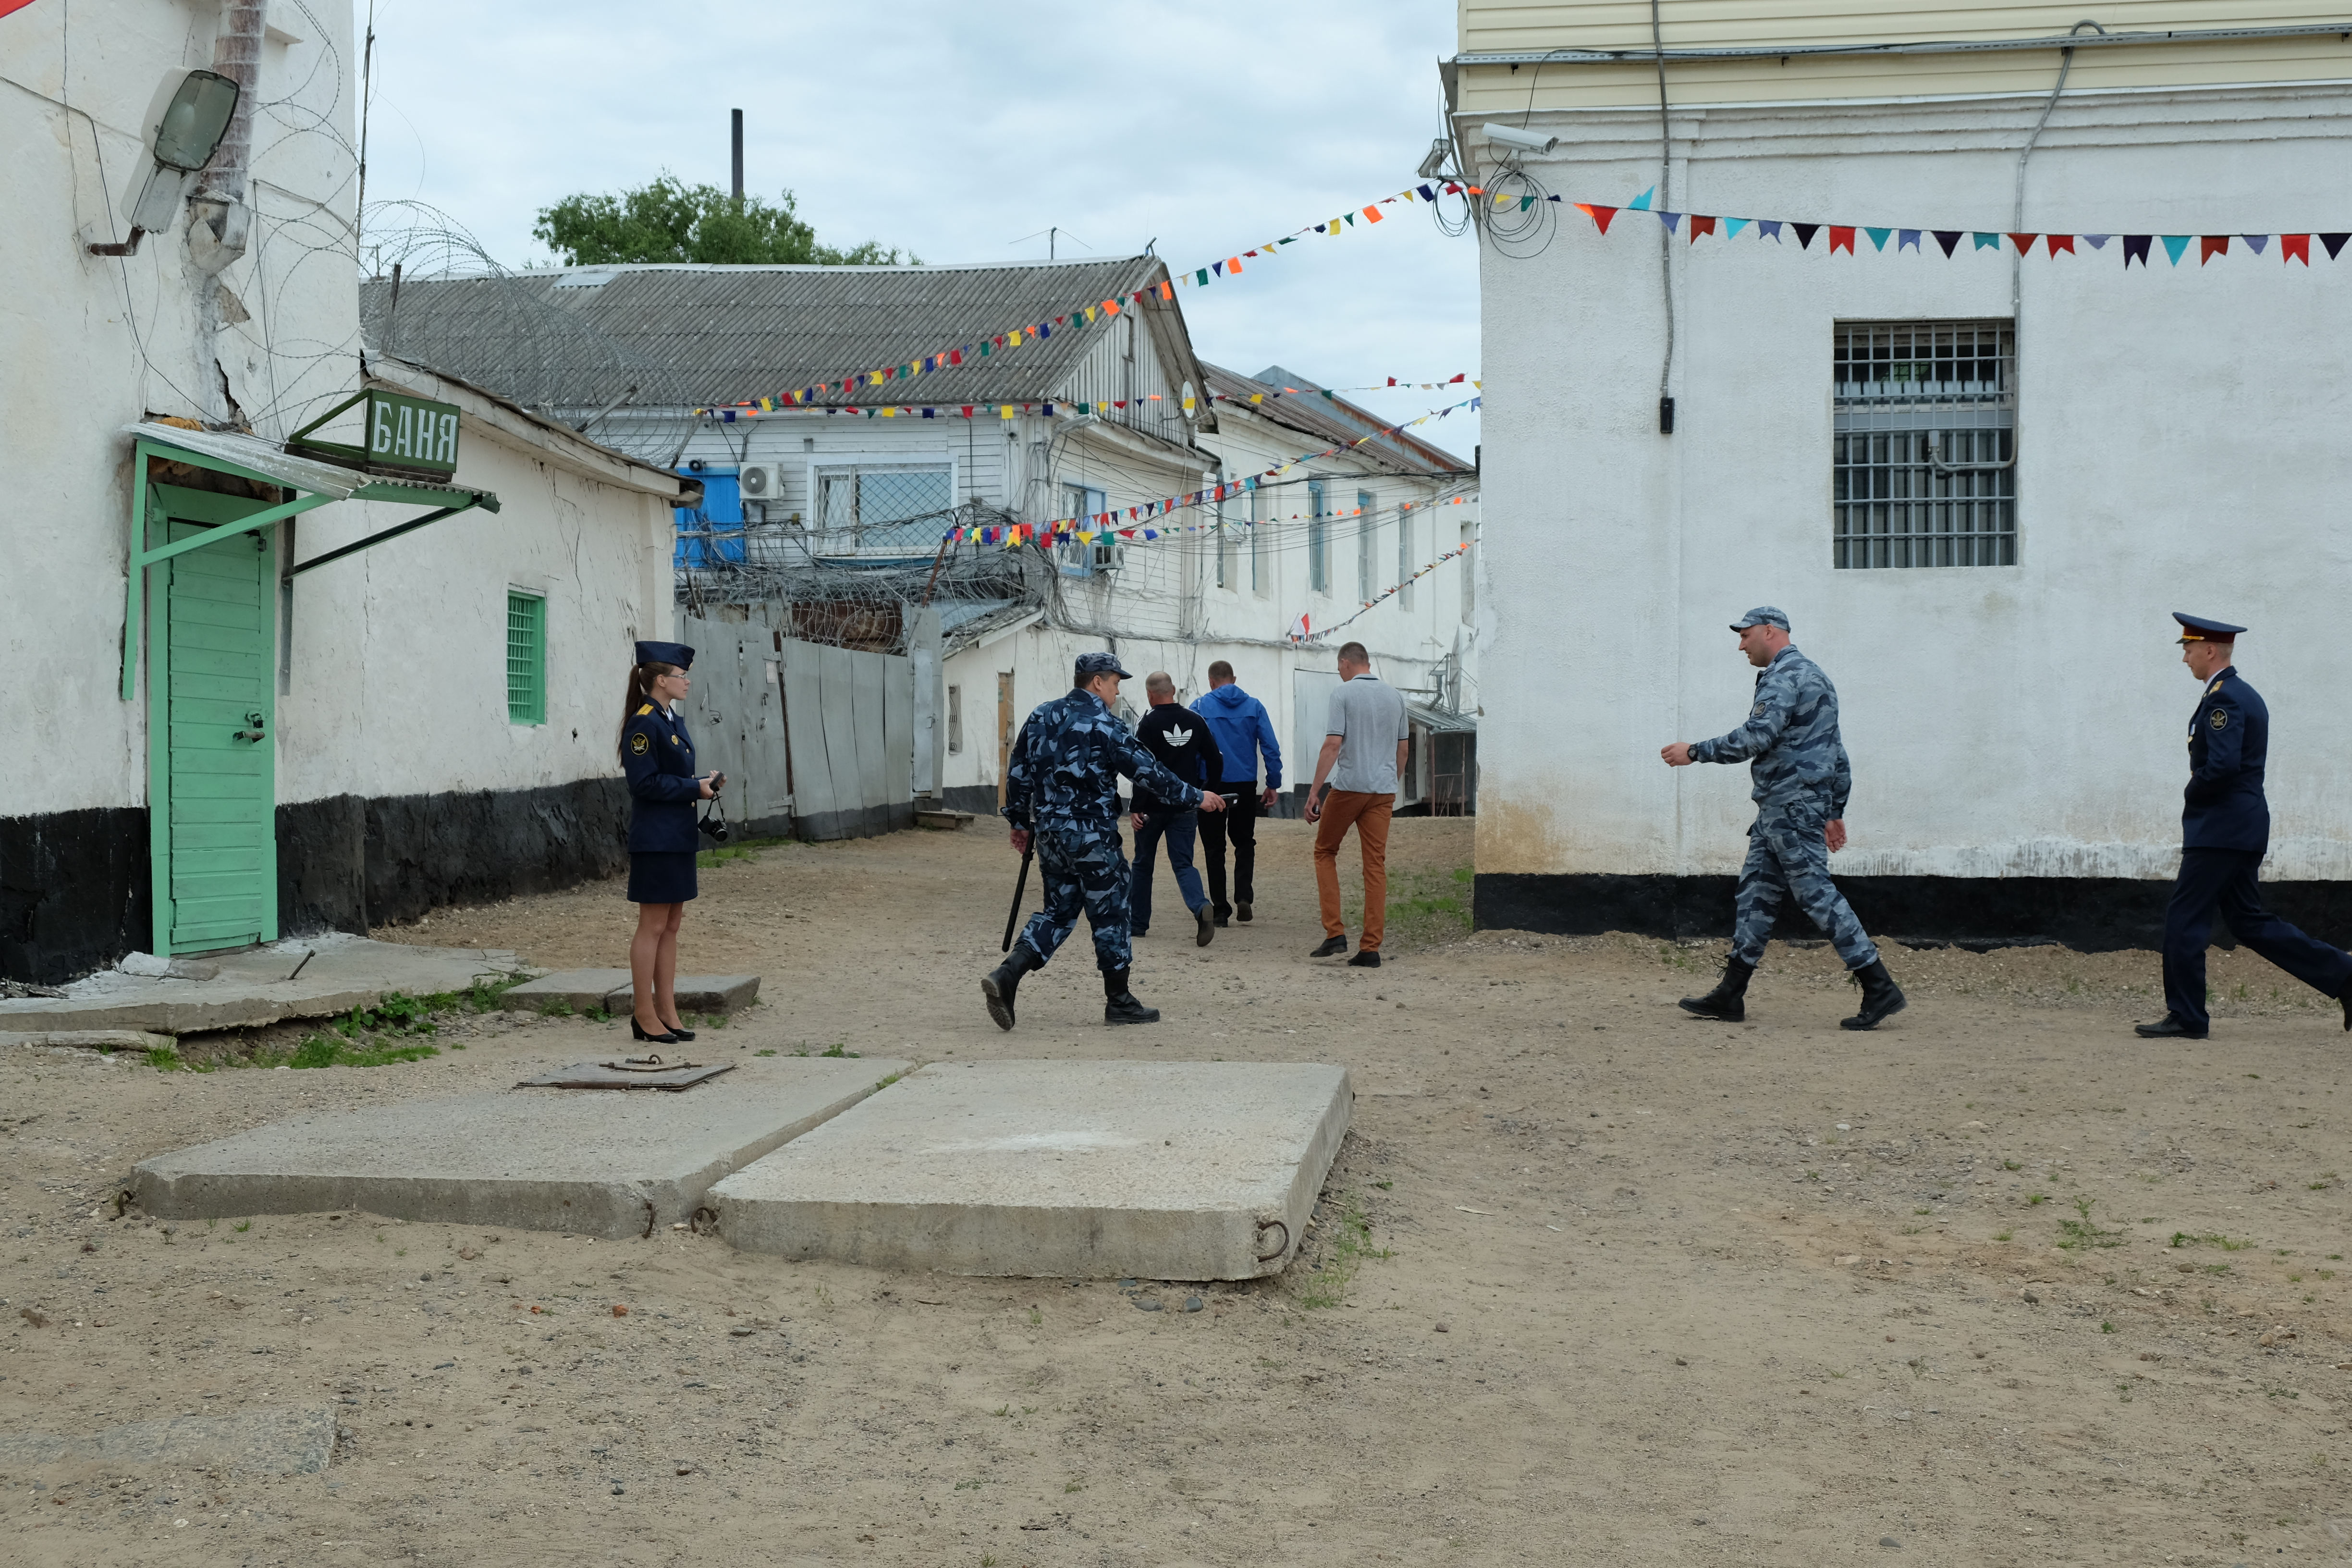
point(287, 1441)
point(88, 1039)
point(592, 1162)
point(578, 989)
point(312, 977)
point(1081, 1170)
point(696, 993)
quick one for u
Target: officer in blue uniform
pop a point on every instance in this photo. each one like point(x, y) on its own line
point(657, 755)
point(1061, 794)
point(2225, 828)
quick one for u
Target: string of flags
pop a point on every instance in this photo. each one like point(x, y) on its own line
point(853, 384)
point(1301, 630)
point(1128, 523)
point(2293, 247)
point(1392, 384)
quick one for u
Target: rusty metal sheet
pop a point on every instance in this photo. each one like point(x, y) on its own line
point(629, 1072)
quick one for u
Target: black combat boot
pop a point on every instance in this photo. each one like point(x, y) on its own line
point(999, 983)
point(1121, 1008)
point(1881, 998)
point(1728, 1000)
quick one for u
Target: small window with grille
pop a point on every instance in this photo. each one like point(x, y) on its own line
point(1925, 471)
point(884, 509)
point(526, 658)
point(1084, 558)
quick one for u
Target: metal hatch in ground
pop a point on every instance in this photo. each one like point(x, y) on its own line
point(208, 556)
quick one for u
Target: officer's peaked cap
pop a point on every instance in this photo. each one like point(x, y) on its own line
point(1093, 664)
point(2197, 629)
point(1762, 615)
point(676, 653)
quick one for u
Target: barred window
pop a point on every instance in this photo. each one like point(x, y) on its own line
point(526, 658)
point(1925, 472)
point(884, 508)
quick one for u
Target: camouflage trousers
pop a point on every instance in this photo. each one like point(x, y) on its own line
point(1082, 868)
point(1787, 855)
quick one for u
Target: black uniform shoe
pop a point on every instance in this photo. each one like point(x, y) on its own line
point(1206, 919)
point(1242, 913)
point(1881, 998)
point(2170, 1028)
point(1333, 946)
point(1225, 917)
point(1728, 1000)
point(999, 984)
point(1120, 1005)
point(1366, 958)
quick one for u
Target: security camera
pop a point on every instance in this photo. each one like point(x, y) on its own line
point(1434, 164)
point(1525, 140)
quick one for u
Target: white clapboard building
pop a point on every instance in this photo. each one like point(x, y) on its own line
point(263, 692)
point(1811, 368)
point(884, 452)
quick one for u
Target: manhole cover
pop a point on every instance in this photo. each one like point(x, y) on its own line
point(628, 1072)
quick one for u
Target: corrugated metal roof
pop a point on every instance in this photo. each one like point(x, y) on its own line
point(686, 336)
point(1443, 720)
point(1331, 421)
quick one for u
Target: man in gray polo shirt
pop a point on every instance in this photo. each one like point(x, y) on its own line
point(1363, 758)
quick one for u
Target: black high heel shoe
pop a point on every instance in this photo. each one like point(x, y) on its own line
point(681, 1034)
point(638, 1031)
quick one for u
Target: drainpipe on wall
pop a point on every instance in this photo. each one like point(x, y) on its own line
point(220, 217)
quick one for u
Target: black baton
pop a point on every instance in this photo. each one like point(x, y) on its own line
point(1019, 888)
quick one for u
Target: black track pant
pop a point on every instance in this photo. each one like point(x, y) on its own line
point(1238, 822)
point(2225, 878)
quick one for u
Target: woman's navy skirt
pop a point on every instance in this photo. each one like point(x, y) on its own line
point(665, 877)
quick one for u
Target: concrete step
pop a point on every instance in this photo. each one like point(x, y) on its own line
point(591, 1161)
point(581, 990)
point(926, 816)
point(1068, 1169)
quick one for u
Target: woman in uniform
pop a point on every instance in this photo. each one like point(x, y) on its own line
point(658, 754)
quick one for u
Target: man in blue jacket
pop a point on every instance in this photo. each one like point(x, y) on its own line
point(1238, 721)
point(2225, 829)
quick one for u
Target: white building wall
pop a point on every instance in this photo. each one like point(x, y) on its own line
point(2179, 449)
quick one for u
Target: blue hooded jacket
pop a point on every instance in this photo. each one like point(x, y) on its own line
point(1238, 721)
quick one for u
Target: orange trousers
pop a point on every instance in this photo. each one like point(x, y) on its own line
point(1369, 815)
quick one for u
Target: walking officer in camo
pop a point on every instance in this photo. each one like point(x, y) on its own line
point(2225, 830)
point(1802, 779)
point(1061, 794)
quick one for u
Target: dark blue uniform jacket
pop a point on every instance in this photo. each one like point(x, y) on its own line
point(658, 754)
point(2228, 743)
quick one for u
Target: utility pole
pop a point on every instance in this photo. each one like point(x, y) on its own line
point(739, 152)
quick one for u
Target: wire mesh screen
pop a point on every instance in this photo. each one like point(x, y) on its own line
point(886, 508)
point(1924, 464)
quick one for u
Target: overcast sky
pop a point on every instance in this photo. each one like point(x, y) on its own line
point(955, 130)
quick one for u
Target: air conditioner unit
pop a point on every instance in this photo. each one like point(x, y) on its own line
point(760, 481)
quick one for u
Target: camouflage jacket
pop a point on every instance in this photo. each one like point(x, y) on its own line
point(1066, 764)
point(1790, 740)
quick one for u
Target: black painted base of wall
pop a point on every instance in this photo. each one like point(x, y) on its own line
point(2091, 914)
point(75, 894)
point(978, 799)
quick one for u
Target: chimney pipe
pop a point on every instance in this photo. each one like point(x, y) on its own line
point(738, 140)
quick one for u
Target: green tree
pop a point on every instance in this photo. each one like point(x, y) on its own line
point(669, 220)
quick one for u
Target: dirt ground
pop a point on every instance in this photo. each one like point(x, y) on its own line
point(1592, 1283)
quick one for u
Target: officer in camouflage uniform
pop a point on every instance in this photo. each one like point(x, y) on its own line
point(1061, 794)
point(1803, 777)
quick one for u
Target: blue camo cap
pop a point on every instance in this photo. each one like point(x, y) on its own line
point(676, 653)
point(1093, 664)
point(1761, 615)
point(2197, 629)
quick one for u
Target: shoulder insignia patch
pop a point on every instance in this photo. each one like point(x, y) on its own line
point(646, 710)
point(2215, 687)
point(640, 744)
point(2219, 719)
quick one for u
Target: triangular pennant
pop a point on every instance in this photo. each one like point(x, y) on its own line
point(1732, 226)
point(2335, 242)
point(2024, 242)
point(1947, 238)
point(1906, 239)
point(1641, 204)
point(1878, 238)
point(1769, 228)
point(1669, 219)
point(2058, 242)
point(2174, 244)
point(2097, 241)
point(2211, 245)
point(1805, 232)
point(2254, 242)
point(1598, 215)
point(1985, 241)
point(1840, 238)
point(2135, 249)
point(1700, 226)
point(2295, 247)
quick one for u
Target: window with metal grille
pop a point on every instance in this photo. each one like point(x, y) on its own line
point(885, 509)
point(526, 658)
point(1319, 541)
point(1079, 558)
point(1925, 472)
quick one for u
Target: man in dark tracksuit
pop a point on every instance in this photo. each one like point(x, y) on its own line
point(1061, 794)
point(1180, 740)
point(2225, 828)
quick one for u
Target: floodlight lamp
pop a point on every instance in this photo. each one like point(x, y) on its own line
point(1525, 140)
point(194, 120)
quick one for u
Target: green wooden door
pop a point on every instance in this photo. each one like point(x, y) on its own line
point(212, 743)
